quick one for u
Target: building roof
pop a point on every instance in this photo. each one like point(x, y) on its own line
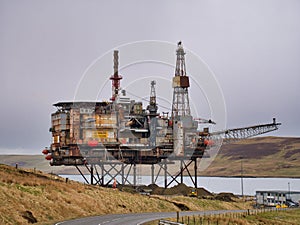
point(279, 191)
point(75, 104)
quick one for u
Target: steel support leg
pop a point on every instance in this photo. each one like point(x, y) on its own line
point(123, 178)
point(195, 172)
point(181, 171)
point(134, 175)
point(152, 174)
point(82, 174)
point(91, 171)
point(113, 169)
point(92, 174)
point(102, 174)
point(166, 173)
point(99, 181)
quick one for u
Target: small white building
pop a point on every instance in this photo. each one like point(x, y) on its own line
point(273, 198)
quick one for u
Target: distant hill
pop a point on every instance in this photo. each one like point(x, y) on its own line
point(35, 161)
point(263, 156)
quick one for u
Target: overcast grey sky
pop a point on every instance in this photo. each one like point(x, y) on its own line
point(252, 46)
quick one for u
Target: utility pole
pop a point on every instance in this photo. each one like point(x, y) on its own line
point(242, 182)
point(289, 189)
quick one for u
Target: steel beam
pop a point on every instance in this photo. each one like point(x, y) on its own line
point(112, 169)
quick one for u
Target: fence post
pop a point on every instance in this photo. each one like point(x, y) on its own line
point(177, 213)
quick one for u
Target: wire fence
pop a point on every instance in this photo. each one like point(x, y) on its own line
point(230, 218)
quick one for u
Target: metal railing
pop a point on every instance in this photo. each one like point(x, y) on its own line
point(166, 222)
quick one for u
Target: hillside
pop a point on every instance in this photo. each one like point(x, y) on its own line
point(264, 156)
point(29, 196)
point(35, 161)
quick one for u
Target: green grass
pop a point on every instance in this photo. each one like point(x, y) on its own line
point(281, 217)
point(276, 217)
point(31, 190)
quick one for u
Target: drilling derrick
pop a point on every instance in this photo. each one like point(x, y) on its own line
point(115, 78)
point(183, 123)
point(180, 106)
point(152, 107)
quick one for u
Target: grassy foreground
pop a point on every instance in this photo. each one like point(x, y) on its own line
point(29, 196)
point(280, 218)
point(252, 217)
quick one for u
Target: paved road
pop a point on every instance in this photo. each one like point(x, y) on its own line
point(136, 219)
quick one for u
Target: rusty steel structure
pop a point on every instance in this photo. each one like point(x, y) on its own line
point(109, 139)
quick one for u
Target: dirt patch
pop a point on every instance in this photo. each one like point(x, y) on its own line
point(122, 205)
point(224, 196)
point(181, 206)
point(28, 216)
point(180, 189)
point(153, 189)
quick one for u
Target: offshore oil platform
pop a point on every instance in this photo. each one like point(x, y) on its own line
point(111, 138)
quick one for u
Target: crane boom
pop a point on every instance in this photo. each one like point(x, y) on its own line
point(237, 134)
